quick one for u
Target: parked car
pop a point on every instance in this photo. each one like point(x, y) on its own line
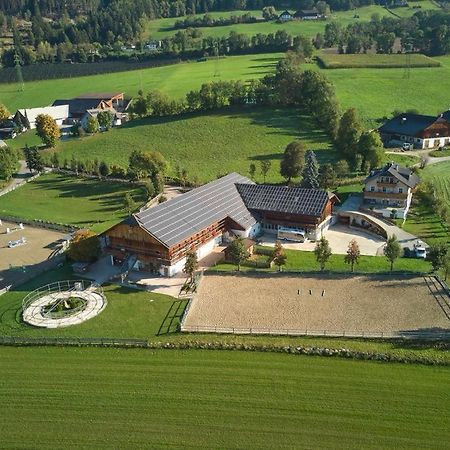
point(407, 146)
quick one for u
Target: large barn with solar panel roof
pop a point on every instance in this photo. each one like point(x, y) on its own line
point(157, 239)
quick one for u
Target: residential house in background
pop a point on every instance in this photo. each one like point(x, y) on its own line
point(308, 14)
point(60, 113)
point(158, 239)
point(117, 117)
point(285, 16)
point(390, 188)
point(419, 130)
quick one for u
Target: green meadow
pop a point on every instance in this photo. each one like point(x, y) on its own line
point(161, 28)
point(207, 145)
point(176, 80)
point(70, 200)
point(439, 174)
point(112, 398)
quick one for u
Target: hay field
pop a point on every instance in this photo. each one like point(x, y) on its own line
point(370, 304)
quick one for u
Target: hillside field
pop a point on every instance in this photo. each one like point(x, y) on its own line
point(69, 200)
point(176, 80)
point(439, 174)
point(207, 144)
point(161, 28)
point(103, 398)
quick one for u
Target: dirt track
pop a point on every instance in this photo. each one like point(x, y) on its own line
point(348, 303)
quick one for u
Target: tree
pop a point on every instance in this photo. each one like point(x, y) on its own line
point(293, 160)
point(269, 13)
point(278, 256)
point(252, 170)
point(146, 164)
point(238, 253)
point(371, 148)
point(348, 134)
point(342, 168)
point(105, 119)
point(327, 177)
point(265, 167)
point(47, 129)
point(437, 254)
point(8, 163)
point(54, 160)
point(84, 247)
point(104, 169)
point(191, 265)
point(353, 253)
point(392, 250)
point(128, 203)
point(322, 252)
point(311, 171)
point(4, 113)
point(92, 126)
point(33, 159)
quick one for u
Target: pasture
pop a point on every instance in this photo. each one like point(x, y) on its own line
point(439, 174)
point(161, 28)
point(70, 200)
point(377, 61)
point(176, 80)
point(321, 304)
point(208, 144)
point(110, 398)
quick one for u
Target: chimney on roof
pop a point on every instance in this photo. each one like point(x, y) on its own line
point(403, 120)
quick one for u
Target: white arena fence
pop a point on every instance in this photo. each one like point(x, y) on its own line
point(60, 286)
point(16, 186)
point(438, 334)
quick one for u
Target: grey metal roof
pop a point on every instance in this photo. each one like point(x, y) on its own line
point(175, 220)
point(408, 124)
point(283, 199)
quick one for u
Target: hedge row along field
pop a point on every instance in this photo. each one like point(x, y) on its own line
point(38, 72)
point(375, 61)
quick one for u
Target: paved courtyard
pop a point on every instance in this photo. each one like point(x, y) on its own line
point(338, 236)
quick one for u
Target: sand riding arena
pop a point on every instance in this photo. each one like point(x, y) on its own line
point(332, 305)
point(63, 304)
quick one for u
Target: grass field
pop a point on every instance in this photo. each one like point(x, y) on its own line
point(70, 200)
point(336, 61)
point(439, 174)
point(176, 80)
point(104, 398)
point(158, 29)
point(208, 145)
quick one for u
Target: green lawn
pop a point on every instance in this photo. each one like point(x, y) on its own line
point(337, 61)
point(69, 200)
point(176, 80)
point(208, 144)
point(109, 398)
point(301, 261)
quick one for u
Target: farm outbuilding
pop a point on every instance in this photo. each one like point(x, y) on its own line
point(158, 239)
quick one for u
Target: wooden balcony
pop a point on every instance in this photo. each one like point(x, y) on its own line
point(385, 195)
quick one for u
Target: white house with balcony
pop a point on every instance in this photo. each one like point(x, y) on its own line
point(389, 190)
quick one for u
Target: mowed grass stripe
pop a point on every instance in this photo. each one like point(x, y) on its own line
point(98, 398)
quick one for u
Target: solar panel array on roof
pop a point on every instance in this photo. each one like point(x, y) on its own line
point(175, 220)
point(283, 199)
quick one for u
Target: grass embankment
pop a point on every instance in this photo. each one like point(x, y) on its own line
point(132, 314)
point(175, 80)
point(439, 174)
point(440, 153)
point(70, 200)
point(210, 399)
point(208, 144)
point(376, 61)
